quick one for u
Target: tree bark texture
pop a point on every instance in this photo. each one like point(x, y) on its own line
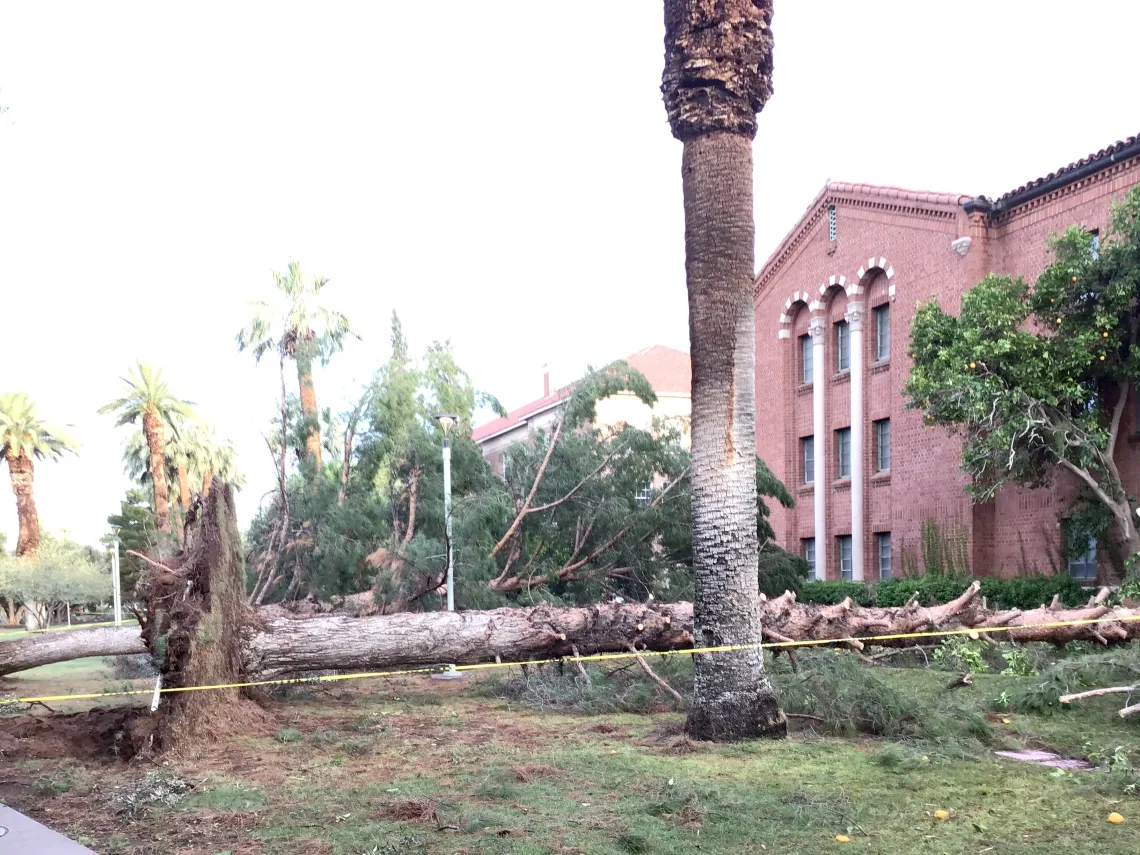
point(21, 469)
point(206, 480)
point(304, 359)
point(195, 618)
point(275, 640)
point(183, 489)
point(716, 78)
point(156, 443)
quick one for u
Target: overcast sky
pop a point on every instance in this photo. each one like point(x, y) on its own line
point(500, 173)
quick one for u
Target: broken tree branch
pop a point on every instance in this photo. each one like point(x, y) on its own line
point(653, 676)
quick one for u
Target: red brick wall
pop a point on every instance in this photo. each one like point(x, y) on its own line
point(1018, 531)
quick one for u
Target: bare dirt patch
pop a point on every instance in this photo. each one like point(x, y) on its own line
point(102, 733)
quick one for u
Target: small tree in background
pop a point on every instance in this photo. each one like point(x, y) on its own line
point(1037, 380)
point(138, 532)
point(61, 572)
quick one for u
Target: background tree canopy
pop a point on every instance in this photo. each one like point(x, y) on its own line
point(584, 513)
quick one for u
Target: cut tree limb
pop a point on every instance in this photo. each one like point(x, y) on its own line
point(1096, 693)
point(47, 647)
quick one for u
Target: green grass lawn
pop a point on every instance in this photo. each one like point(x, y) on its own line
point(377, 768)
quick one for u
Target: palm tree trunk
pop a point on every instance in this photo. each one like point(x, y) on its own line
point(183, 488)
point(152, 430)
point(715, 81)
point(22, 472)
point(304, 358)
point(206, 480)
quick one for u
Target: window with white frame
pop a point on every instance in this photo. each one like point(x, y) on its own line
point(832, 223)
point(643, 497)
point(883, 332)
point(883, 445)
point(843, 452)
point(883, 544)
point(842, 346)
point(809, 459)
point(1082, 567)
point(807, 362)
point(506, 463)
point(1094, 244)
point(844, 557)
point(809, 557)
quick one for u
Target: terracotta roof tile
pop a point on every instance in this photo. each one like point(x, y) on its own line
point(1104, 153)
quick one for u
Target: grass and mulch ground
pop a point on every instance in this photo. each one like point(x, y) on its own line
point(544, 763)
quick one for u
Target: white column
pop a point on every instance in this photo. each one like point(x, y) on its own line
point(855, 325)
point(818, 387)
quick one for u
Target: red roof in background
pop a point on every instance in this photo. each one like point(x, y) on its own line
point(667, 370)
point(517, 417)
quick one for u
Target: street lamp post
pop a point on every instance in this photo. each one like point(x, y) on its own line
point(447, 422)
point(116, 582)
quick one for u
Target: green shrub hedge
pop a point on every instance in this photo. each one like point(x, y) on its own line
point(1021, 592)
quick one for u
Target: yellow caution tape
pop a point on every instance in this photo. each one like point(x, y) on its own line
point(595, 657)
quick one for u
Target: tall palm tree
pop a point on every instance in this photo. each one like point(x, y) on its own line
point(187, 449)
point(24, 438)
point(217, 459)
point(301, 328)
point(148, 399)
point(717, 77)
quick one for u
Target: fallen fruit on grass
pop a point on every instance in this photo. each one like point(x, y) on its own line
point(941, 814)
point(1115, 818)
point(842, 838)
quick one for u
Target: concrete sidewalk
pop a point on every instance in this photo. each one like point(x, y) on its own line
point(18, 834)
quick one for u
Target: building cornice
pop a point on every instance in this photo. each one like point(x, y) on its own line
point(869, 197)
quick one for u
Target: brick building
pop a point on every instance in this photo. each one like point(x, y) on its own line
point(878, 492)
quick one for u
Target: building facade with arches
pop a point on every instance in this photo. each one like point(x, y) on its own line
point(878, 492)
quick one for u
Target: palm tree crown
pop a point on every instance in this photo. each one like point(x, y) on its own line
point(24, 433)
point(146, 392)
point(295, 316)
point(148, 399)
point(23, 438)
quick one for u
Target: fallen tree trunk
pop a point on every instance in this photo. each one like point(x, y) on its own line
point(48, 647)
point(278, 641)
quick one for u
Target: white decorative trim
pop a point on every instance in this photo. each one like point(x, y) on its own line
point(873, 263)
point(785, 319)
point(788, 303)
point(832, 280)
point(814, 306)
point(823, 288)
point(785, 334)
point(891, 291)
